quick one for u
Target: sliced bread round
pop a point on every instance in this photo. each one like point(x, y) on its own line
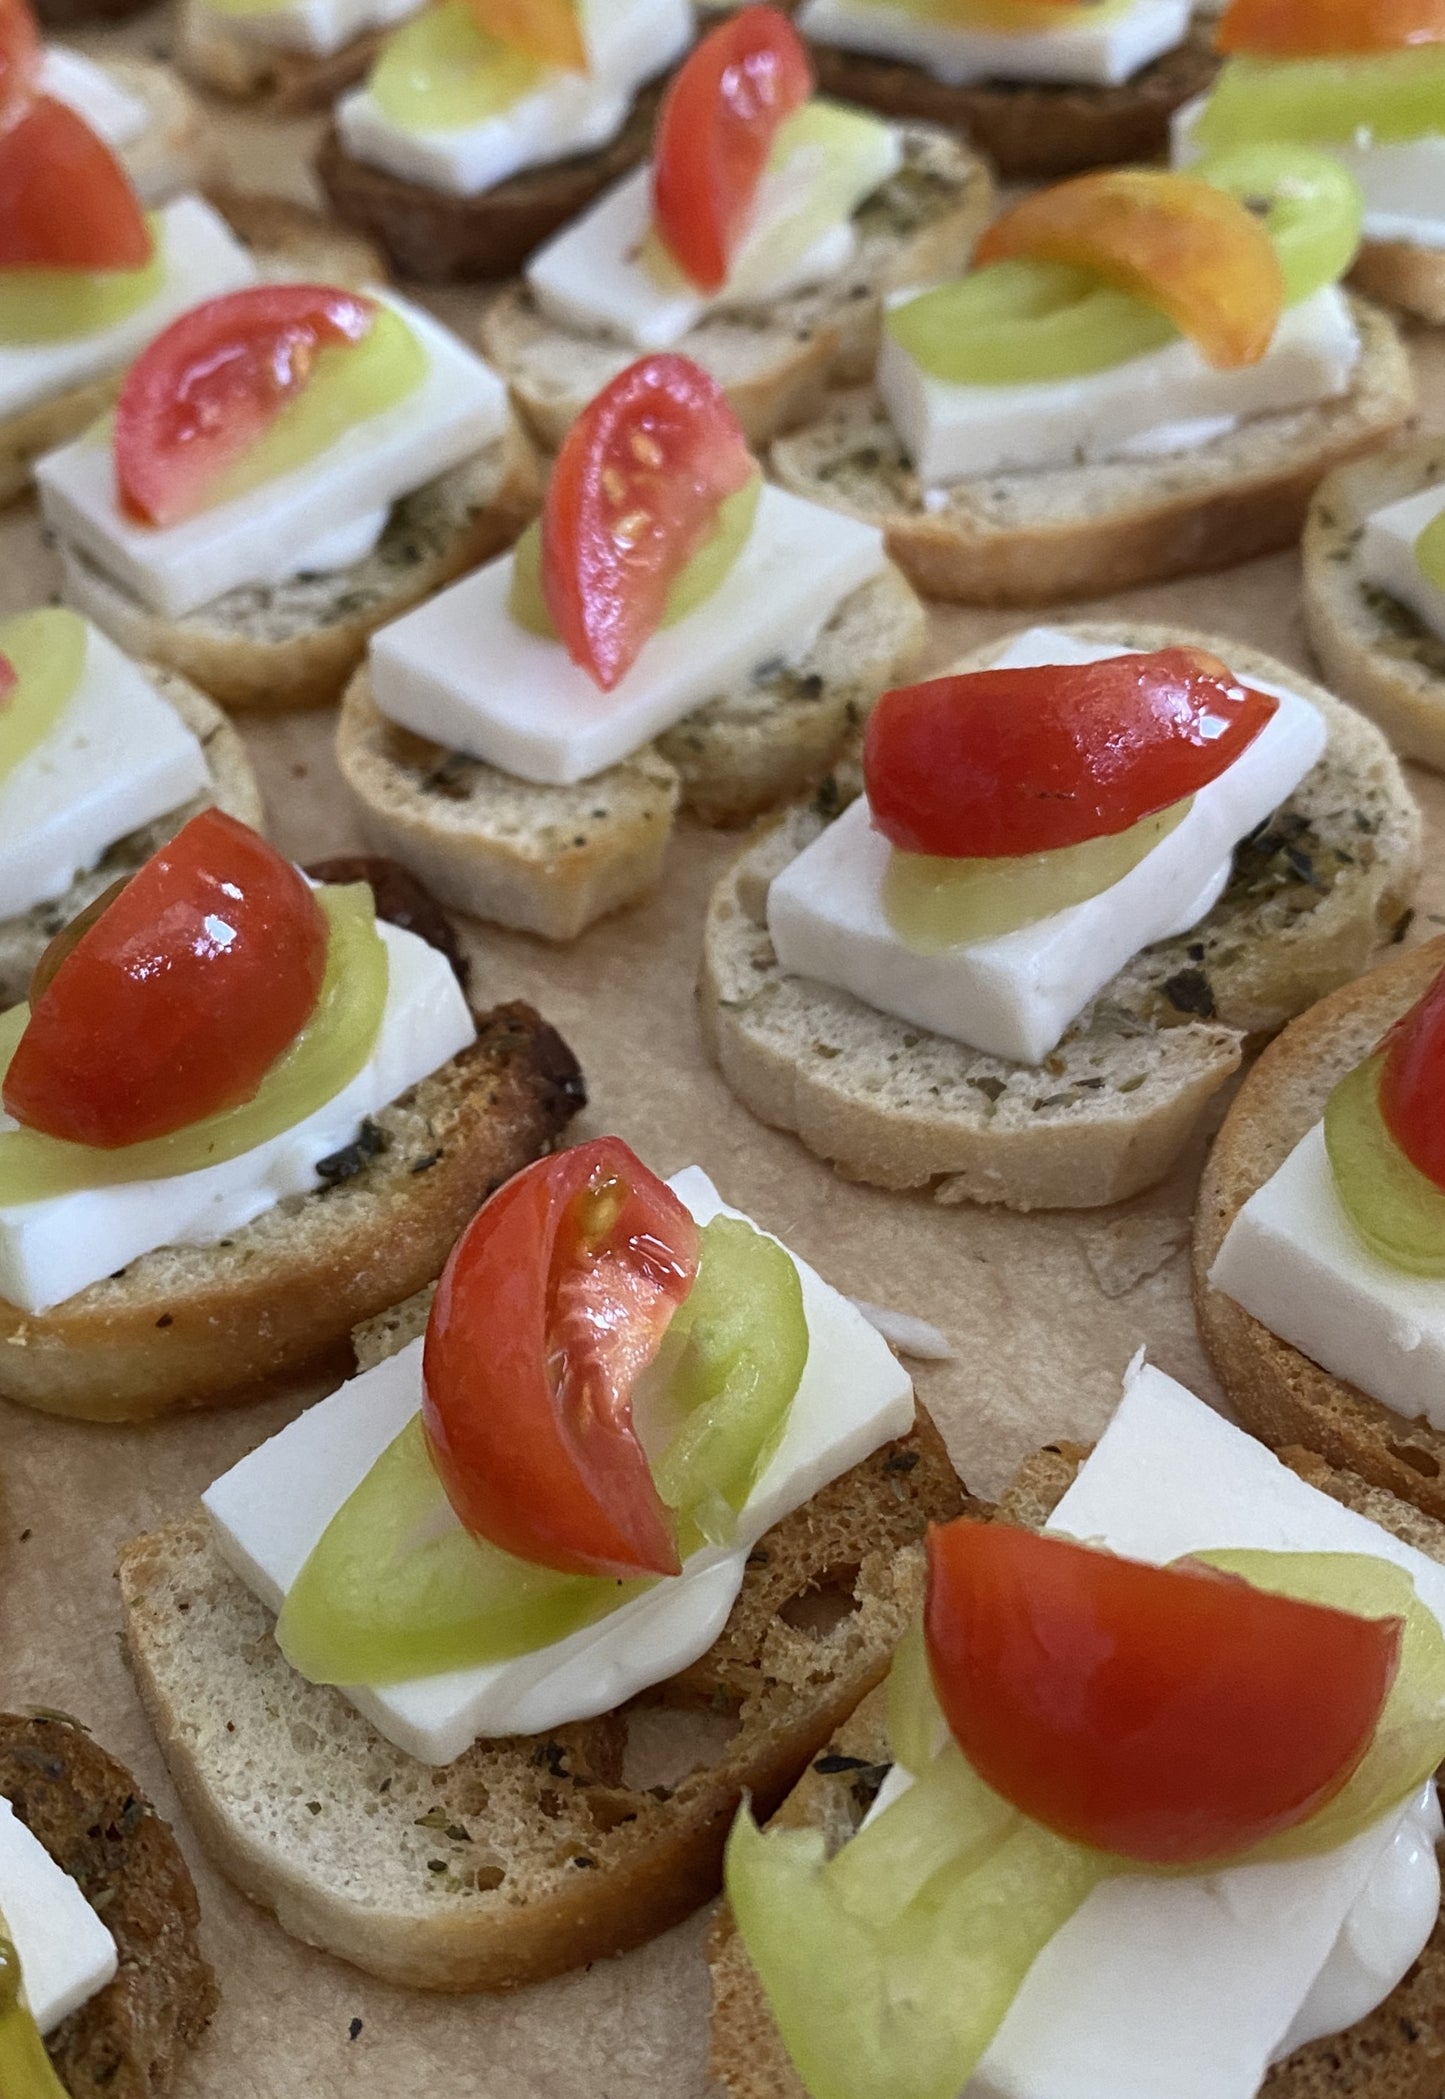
point(1374, 650)
point(775, 361)
point(1086, 531)
point(232, 787)
point(551, 860)
point(283, 83)
point(1278, 1393)
point(1398, 274)
point(1313, 893)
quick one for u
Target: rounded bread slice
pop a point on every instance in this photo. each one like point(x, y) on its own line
point(1087, 531)
point(1276, 1391)
point(551, 860)
point(773, 361)
point(1399, 274)
point(1376, 651)
point(282, 83)
point(233, 787)
point(1313, 893)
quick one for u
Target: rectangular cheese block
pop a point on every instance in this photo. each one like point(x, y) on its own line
point(565, 114)
point(1102, 53)
point(461, 671)
point(51, 1249)
point(110, 109)
point(1014, 996)
point(1293, 1259)
point(260, 537)
point(316, 27)
point(118, 758)
point(1387, 554)
point(66, 1953)
point(269, 1511)
point(952, 432)
point(201, 259)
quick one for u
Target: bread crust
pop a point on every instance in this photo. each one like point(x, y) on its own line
point(201, 1327)
point(1400, 275)
point(87, 1811)
point(1278, 1393)
point(275, 81)
point(1109, 1111)
point(1089, 531)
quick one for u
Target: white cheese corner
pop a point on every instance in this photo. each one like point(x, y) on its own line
point(66, 1953)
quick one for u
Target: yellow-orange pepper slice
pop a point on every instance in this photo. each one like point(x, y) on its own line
point(1328, 28)
point(547, 30)
point(1194, 252)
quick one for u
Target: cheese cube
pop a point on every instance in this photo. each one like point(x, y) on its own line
point(66, 1953)
point(1092, 54)
point(1387, 554)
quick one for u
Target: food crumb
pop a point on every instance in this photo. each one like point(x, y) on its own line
point(353, 2029)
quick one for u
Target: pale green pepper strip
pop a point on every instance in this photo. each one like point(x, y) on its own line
point(1398, 1211)
point(46, 650)
point(26, 2071)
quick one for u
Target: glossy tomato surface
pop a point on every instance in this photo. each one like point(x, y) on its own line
point(554, 1301)
point(1003, 762)
point(19, 59)
point(634, 493)
point(180, 996)
point(547, 30)
point(714, 134)
point(1412, 1083)
point(65, 201)
point(1170, 1715)
point(1328, 28)
point(214, 381)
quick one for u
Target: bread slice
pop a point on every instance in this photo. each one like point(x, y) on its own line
point(289, 241)
point(174, 152)
point(439, 239)
point(232, 787)
point(1109, 1110)
point(551, 860)
point(1399, 274)
point(530, 1855)
point(1376, 652)
point(1086, 531)
point(1278, 1393)
point(1033, 132)
point(87, 1811)
point(774, 361)
point(281, 83)
point(1397, 2052)
point(187, 1327)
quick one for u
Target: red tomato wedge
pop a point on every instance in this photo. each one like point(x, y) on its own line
point(633, 495)
point(547, 30)
point(19, 59)
point(1412, 1083)
point(1170, 1715)
point(554, 1301)
point(1179, 244)
point(213, 382)
point(180, 996)
point(992, 764)
point(65, 202)
point(715, 131)
point(1328, 28)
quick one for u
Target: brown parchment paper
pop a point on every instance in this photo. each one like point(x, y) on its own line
point(1043, 1311)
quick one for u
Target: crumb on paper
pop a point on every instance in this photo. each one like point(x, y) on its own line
point(909, 1335)
point(1126, 1251)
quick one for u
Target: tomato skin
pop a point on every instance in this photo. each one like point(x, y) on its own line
point(715, 131)
point(1328, 28)
point(1001, 762)
point(1412, 1082)
point(179, 998)
point(65, 201)
point(547, 30)
point(1170, 1715)
point(19, 60)
point(213, 382)
point(9, 679)
point(555, 1299)
point(633, 495)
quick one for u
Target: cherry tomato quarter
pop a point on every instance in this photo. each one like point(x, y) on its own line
point(546, 30)
point(65, 201)
point(1328, 28)
point(1412, 1083)
point(19, 60)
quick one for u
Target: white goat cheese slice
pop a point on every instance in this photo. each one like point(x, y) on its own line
point(1102, 53)
point(1387, 554)
point(112, 111)
point(66, 1953)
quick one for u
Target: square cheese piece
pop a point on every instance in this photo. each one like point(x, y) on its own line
point(269, 1511)
point(201, 258)
point(461, 671)
point(1387, 554)
point(117, 758)
point(1103, 53)
point(66, 1953)
point(263, 536)
point(317, 27)
point(1014, 996)
point(1293, 1259)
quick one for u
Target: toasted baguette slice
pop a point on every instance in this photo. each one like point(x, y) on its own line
point(281, 83)
point(1397, 2052)
point(530, 1855)
point(551, 860)
point(232, 788)
point(188, 1327)
point(774, 361)
point(88, 1812)
point(1399, 274)
point(437, 239)
point(1375, 651)
point(1109, 1110)
point(289, 241)
point(1032, 132)
point(174, 152)
point(1085, 531)
point(1278, 1393)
